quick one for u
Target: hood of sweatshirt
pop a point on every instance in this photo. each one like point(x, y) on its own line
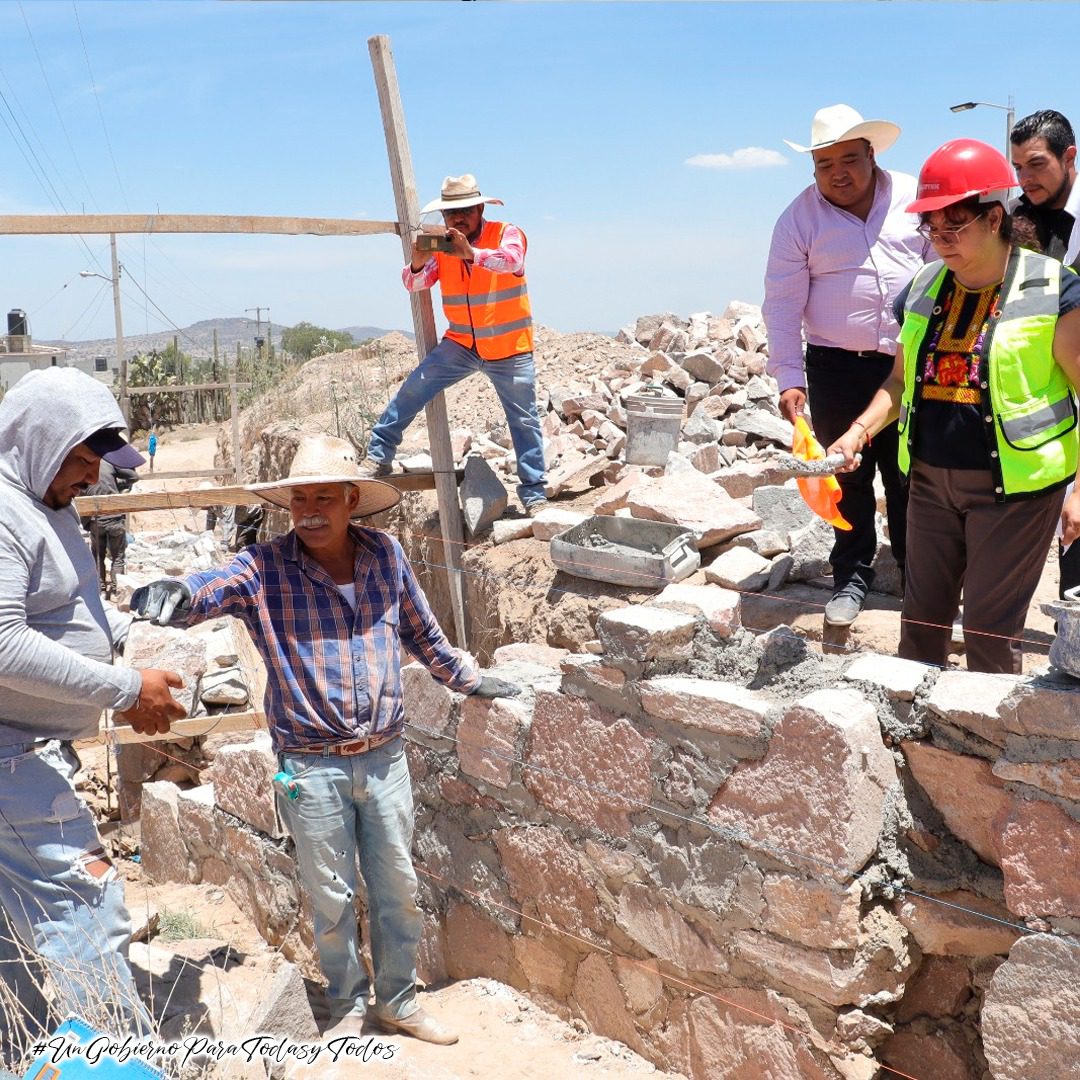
point(43, 417)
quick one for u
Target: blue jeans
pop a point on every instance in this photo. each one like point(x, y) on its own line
point(61, 901)
point(448, 363)
point(347, 806)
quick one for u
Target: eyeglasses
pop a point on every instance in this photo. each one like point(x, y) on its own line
point(947, 235)
point(458, 211)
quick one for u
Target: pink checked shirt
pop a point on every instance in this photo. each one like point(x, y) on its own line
point(507, 259)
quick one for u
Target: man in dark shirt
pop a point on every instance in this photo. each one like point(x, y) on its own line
point(1045, 219)
point(108, 532)
point(1044, 156)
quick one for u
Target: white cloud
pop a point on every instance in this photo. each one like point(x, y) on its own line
point(747, 157)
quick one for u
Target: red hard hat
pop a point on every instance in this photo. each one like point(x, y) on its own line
point(959, 169)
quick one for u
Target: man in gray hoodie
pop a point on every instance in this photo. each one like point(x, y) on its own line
point(61, 901)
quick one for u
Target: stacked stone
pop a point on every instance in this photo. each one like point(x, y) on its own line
point(860, 862)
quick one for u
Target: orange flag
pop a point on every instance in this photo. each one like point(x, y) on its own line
point(820, 493)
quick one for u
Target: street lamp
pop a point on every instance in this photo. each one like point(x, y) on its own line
point(1010, 117)
point(121, 362)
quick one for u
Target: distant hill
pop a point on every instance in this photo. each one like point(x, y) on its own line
point(197, 339)
point(362, 333)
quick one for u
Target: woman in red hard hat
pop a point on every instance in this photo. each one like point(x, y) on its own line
point(983, 389)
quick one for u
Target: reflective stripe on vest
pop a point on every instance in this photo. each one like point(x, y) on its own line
point(486, 310)
point(1025, 397)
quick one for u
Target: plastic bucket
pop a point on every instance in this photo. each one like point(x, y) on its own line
point(652, 428)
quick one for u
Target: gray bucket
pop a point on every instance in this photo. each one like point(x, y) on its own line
point(653, 423)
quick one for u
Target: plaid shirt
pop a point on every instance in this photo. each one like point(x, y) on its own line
point(333, 673)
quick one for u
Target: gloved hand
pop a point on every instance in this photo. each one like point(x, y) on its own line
point(491, 687)
point(161, 601)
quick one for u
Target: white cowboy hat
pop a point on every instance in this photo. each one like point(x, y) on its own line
point(839, 123)
point(459, 191)
point(322, 459)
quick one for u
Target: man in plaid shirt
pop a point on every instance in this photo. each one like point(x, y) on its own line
point(328, 606)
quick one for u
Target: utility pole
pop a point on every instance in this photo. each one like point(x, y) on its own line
point(121, 360)
point(260, 341)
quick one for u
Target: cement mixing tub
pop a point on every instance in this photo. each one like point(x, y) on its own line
point(627, 551)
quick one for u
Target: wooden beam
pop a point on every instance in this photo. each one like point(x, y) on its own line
point(232, 495)
point(188, 728)
point(408, 210)
point(178, 388)
point(46, 224)
point(179, 474)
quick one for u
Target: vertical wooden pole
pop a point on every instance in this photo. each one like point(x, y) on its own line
point(234, 408)
point(408, 214)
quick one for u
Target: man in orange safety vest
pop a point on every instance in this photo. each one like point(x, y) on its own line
point(480, 268)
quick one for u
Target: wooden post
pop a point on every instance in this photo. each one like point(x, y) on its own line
point(408, 214)
point(234, 409)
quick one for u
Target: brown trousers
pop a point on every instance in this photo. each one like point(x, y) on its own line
point(959, 538)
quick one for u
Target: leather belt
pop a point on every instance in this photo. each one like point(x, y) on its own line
point(345, 749)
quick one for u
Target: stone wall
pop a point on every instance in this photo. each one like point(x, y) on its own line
point(738, 857)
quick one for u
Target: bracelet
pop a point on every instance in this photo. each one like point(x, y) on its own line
point(866, 431)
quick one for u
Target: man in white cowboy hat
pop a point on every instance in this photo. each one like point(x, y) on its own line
point(840, 254)
point(485, 300)
point(328, 606)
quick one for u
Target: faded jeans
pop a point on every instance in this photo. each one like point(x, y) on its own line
point(347, 806)
point(448, 363)
point(62, 901)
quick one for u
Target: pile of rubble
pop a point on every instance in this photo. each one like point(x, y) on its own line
point(726, 479)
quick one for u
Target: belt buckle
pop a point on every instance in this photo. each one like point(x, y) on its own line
point(357, 746)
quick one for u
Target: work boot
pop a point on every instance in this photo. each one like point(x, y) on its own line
point(338, 1028)
point(533, 508)
point(845, 605)
point(372, 468)
point(420, 1025)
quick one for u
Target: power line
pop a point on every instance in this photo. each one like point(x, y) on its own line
point(56, 106)
point(97, 101)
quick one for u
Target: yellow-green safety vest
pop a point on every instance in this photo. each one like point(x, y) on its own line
point(1025, 399)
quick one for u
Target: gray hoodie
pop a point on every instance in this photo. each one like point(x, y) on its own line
point(56, 672)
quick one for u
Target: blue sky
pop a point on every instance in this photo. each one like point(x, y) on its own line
point(583, 117)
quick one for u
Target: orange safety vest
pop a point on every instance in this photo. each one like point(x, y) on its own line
point(487, 311)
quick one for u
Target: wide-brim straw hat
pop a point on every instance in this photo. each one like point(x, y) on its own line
point(459, 191)
point(322, 459)
point(839, 123)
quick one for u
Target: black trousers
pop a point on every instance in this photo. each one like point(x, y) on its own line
point(1068, 568)
point(839, 385)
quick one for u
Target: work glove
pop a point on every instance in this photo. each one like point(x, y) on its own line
point(491, 687)
point(161, 601)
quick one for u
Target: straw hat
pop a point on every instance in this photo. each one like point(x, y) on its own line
point(322, 459)
point(459, 191)
point(839, 123)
